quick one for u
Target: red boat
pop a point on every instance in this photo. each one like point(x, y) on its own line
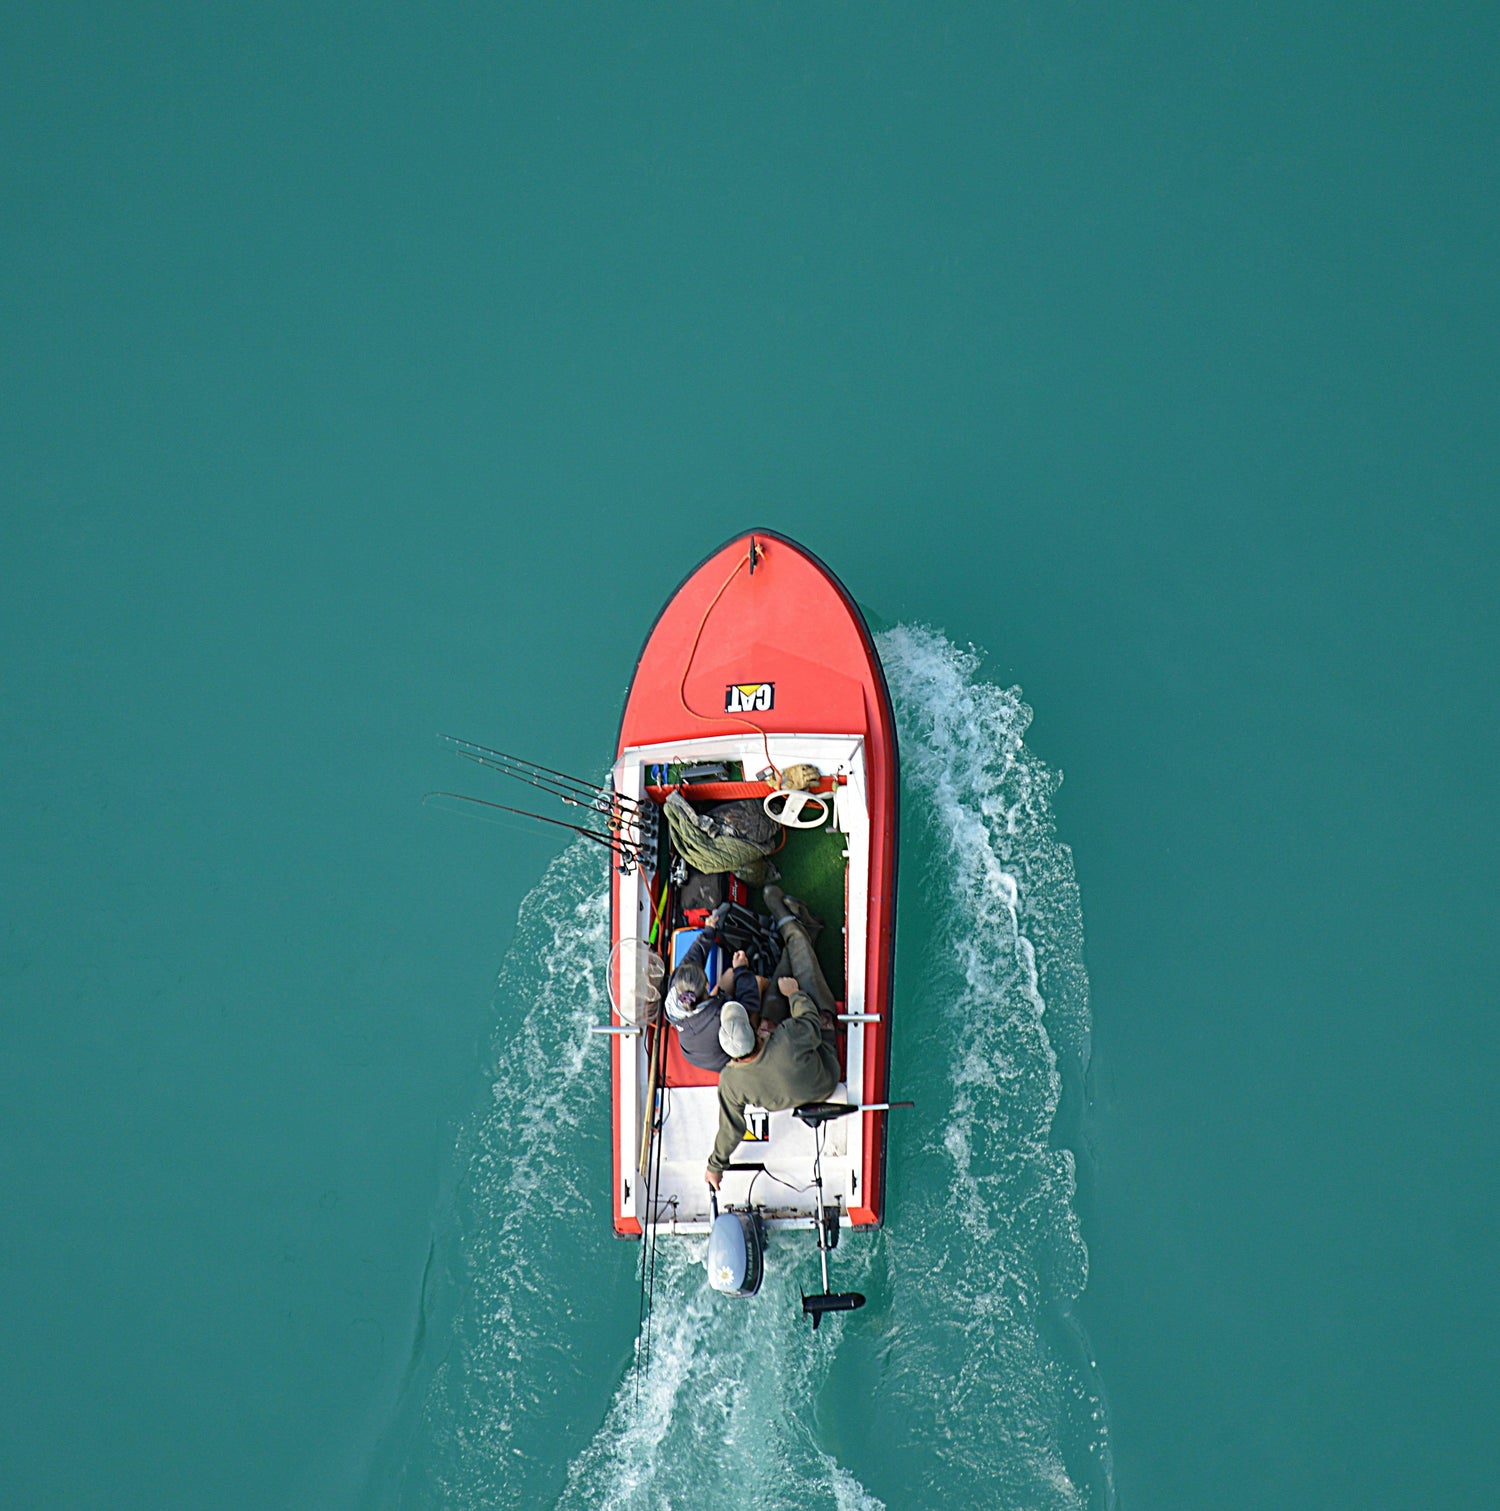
point(760, 663)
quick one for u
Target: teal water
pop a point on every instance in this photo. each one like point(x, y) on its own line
point(369, 375)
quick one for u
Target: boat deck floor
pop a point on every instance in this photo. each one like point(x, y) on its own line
point(781, 1190)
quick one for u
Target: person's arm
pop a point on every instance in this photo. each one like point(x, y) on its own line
point(737, 981)
point(746, 989)
point(731, 1127)
point(698, 951)
point(803, 1006)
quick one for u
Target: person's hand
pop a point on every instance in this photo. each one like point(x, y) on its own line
point(713, 1177)
point(741, 959)
point(788, 985)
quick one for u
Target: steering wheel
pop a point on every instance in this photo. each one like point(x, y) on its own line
point(790, 808)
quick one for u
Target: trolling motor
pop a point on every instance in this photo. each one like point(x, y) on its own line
point(815, 1114)
point(737, 1239)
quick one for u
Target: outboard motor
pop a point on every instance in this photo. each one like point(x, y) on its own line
point(736, 1252)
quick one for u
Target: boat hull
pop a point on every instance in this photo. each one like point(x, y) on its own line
point(762, 657)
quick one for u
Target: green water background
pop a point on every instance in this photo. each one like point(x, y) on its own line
point(370, 373)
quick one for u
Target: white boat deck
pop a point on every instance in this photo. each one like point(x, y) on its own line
point(783, 1193)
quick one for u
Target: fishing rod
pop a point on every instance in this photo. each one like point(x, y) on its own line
point(648, 1247)
point(651, 1156)
point(521, 761)
point(620, 813)
point(600, 799)
point(629, 853)
point(570, 789)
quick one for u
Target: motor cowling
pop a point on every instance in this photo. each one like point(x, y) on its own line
point(736, 1253)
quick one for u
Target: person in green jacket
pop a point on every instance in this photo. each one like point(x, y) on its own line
point(796, 1063)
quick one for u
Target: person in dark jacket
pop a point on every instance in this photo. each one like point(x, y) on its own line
point(694, 1012)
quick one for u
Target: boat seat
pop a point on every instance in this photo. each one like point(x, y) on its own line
point(676, 1071)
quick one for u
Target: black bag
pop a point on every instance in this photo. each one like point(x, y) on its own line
point(755, 934)
point(702, 890)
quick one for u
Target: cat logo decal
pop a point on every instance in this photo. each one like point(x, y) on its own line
point(749, 697)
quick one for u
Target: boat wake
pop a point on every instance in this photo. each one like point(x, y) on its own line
point(528, 1308)
point(984, 1362)
point(726, 1409)
point(966, 1381)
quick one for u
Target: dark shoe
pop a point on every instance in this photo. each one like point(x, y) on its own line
point(784, 910)
point(806, 917)
point(775, 901)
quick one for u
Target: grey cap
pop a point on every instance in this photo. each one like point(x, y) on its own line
point(736, 1037)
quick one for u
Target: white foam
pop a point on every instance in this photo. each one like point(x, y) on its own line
point(724, 1412)
point(989, 1237)
point(526, 1197)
